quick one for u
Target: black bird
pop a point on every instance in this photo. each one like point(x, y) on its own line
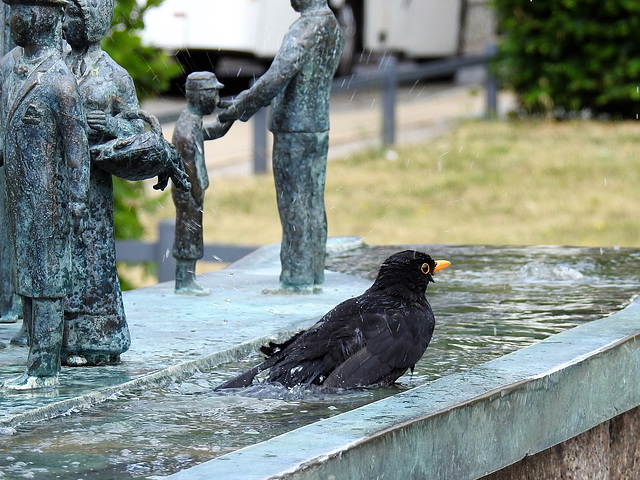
point(367, 340)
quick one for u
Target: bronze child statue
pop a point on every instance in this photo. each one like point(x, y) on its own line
point(202, 92)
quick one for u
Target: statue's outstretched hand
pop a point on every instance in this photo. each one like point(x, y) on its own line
point(229, 114)
point(174, 170)
point(241, 108)
point(216, 129)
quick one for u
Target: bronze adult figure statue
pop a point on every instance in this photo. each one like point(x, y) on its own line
point(96, 331)
point(10, 306)
point(202, 92)
point(298, 84)
point(46, 160)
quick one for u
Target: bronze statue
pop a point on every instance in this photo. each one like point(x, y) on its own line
point(298, 85)
point(96, 331)
point(10, 303)
point(202, 92)
point(46, 183)
point(63, 135)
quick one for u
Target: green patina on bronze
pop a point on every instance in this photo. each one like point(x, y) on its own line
point(297, 85)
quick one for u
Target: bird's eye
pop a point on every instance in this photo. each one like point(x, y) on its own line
point(425, 268)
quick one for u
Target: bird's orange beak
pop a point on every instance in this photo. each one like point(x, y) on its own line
point(440, 264)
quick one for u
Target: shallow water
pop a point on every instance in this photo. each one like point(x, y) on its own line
point(491, 301)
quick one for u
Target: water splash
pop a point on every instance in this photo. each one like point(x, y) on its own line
point(542, 272)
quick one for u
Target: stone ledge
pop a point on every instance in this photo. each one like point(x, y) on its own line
point(467, 425)
point(610, 451)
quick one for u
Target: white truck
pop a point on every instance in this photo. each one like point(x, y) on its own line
point(255, 28)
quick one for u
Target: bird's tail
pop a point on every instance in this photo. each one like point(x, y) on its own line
point(245, 379)
point(242, 380)
point(273, 351)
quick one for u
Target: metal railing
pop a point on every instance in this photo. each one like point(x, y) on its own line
point(159, 252)
point(388, 79)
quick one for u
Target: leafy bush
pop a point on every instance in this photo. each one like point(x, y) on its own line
point(151, 68)
point(568, 56)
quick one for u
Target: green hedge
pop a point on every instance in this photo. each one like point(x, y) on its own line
point(563, 57)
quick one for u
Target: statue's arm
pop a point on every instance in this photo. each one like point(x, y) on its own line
point(128, 102)
point(70, 119)
point(109, 123)
point(286, 64)
point(186, 146)
point(214, 130)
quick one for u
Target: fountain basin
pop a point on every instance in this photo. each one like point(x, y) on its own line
point(177, 337)
point(466, 425)
point(174, 336)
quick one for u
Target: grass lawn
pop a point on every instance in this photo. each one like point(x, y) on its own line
point(501, 183)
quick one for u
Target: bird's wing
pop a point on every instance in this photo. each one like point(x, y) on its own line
point(362, 369)
point(272, 348)
point(395, 341)
point(318, 350)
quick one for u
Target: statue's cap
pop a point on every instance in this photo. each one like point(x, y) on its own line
point(61, 3)
point(203, 81)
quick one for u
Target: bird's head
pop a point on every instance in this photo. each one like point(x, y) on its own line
point(409, 269)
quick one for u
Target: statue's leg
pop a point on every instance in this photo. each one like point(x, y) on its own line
point(299, 179)
point(13, 311)
point(188, 242)
point(186, 282)
point(10, 308)
point(319, 215)
point(44, 317)
point(21, 338)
